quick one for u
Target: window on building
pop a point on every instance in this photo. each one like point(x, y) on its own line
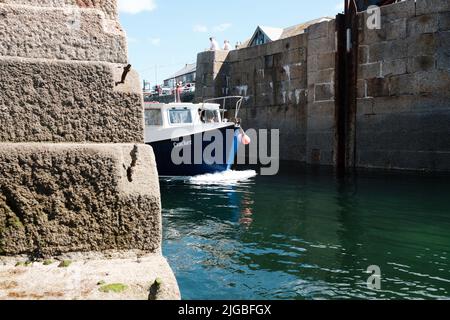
point(260, 38)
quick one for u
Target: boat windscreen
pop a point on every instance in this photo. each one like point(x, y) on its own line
point(153, 117)
point(180, 116)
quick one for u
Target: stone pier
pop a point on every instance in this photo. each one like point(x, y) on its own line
point(80, 209)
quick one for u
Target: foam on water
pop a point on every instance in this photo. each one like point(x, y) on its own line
point(227, 177)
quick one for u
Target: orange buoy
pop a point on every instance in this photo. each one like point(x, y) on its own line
point(246, 140)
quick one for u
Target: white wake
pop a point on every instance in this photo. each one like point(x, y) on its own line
point(226, 177)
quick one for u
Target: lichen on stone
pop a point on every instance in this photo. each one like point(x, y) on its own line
point(115, 288)
point(15, 223)
point(65, 264)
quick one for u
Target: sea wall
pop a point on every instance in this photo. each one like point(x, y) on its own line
point(403, 106)
point(403, 89)
point(79, 191)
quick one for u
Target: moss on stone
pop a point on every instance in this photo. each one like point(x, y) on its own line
point(47, 262)
point(65, 264)
point(158, 282)
point(115, 287)
point(15, 223)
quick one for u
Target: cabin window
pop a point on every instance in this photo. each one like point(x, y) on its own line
point(210, 116)
point(180, 116)
point(153, 118)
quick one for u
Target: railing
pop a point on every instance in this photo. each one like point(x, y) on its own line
point(224, 104)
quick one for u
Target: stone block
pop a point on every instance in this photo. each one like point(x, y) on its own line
point(296, 56)
point(404, 84)
point(396, 30)
point(89, 277)
point(369, 70)
point(410, 104)
point(377, 87)
point(107, 7)
point(312, 63)
point(318, 30)
point(388, 50)
point(421, 63)
point(322, 76)
point(326, 60)
point(432, 6)
point(59, 198)
point(433, 82)
point(422, 45)
point(393, 67)
point(365, 106)
point(363, 54)
point(74, 34)
point(59, 101)
point(423, 24)
point(444, 21)
point(295, 42)
point(403, 9)
point(390, 30)
point(443, 61)
point(320, 148)
point(321, 46)
point(361, 88)
point(324, 92)
point(321, 109)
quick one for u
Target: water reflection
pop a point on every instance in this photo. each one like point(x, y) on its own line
point(308, 236)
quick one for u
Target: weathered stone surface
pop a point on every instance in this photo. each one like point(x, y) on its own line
point(377, 87)
point(369, 70)
point(409, 140)
point(422, 45)
point(432, 6)
point(421, 63)
point(444, 21)
point(393, 67)
point(51, 101)
point(318, 30)
point(75, 34)
point(324, 92)
point(58, 198)
point(88, 277)
point(388, 50)
point(423, 24)
point(404, 84)
point(109, 7)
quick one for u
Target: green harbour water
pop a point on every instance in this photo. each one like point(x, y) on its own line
point(307, 235)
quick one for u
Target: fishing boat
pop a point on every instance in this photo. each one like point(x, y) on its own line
point(194, 139)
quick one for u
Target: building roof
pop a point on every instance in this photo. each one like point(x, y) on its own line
point(189, 68)
point(275, 34)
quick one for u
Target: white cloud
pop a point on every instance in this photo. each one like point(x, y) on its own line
point(200, 28)
point(155, 41)
point(219, 28)
point(222, 27)
point(136, 6)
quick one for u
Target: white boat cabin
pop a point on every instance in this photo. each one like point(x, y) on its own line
point(174, 120)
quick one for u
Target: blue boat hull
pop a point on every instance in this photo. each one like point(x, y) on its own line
point(166, 167)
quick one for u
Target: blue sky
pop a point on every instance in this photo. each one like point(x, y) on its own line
point(169, 34)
